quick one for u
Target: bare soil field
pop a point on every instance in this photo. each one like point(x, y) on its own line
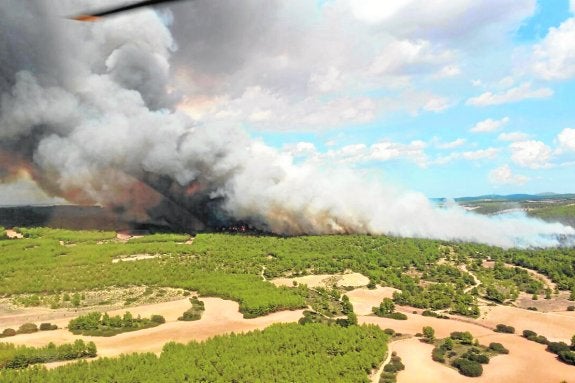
point(527, 361)
point(12, 314)
point(135, 257)
point(364, 299)
point(220, 317)
point(13, 234)
point(325, 280)
point(557, 303)
point(555, 326)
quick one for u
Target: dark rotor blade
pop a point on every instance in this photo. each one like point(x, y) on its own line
point(111, 11)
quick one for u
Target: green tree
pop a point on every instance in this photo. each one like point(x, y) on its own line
point(387, 306)
point(428, 334)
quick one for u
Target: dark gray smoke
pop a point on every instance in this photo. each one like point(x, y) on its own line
point(88, 111)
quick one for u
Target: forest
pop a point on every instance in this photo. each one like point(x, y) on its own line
point(16, 357)
point(281, 353)
point(52, 261)
point(98, 324)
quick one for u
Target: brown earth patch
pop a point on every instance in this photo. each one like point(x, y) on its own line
point(364, 299)
point(325, 280)
point(220, 317)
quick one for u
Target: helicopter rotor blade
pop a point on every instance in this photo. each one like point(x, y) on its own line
point(95, 16)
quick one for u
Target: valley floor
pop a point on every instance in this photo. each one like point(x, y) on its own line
point(527, 361)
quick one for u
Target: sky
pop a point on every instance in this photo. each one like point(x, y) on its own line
point(448, 98)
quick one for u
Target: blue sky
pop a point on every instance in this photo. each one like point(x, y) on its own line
point(448, 98)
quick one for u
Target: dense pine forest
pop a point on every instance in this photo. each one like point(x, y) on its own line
point(280, 353)
point(49, 261)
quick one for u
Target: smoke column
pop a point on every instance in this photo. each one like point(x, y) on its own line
point(89, 113)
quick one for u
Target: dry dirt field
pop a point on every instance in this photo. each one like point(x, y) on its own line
point(364, 299)
point(220, 317)
point(324, 280)
point(527, 361)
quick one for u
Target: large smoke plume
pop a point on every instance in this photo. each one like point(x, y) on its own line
point(89, 112)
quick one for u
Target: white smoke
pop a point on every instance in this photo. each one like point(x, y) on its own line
point(101, 117)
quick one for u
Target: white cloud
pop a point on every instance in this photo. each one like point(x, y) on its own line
point(566, 140)
point(481, 154)
point(300, 149)
point(409, 57)
point(513, 136)
point(519, 93)
point(504, 176)
point(265, 109)
point(474, 155)
point(489, 125)
point(555, 56)
point(437, 104)
point(572, 6)
point(327, 81)
point(374, 11)
point(360, 153)
point(304, 56)
point(530, 154)
point(385, 151)
point(450, 145)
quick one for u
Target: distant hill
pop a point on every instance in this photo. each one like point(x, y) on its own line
point(511, 197)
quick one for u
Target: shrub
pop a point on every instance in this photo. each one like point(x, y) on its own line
point(571, 308)
point(8, 332)
point(541, 339)
point(463, 337)
point(532, 308)
point(158, 319)
point(390, 368)
point(557, 347)
point(27, 328)
point(479, 358)
point(498, 348)
point(528, 334)
point(567, 357)
point(48, 327)
point(397, 316)
point(438, 355)
point(429, 313)
point(389, 331)
point(468, 367)
point(447, 344)
point(388, 377)
point(505, 329)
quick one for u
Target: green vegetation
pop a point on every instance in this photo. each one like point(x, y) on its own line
point(8, 332)
point(429, 313)
point(505, 329)
point(48, 327)
point(12, 356)
point(532, 336)
point(567, 357)
point(281, 353)
point(327, 319)
point(386, 309)
point(96, 324)
point(498, 348)
point(230, 266)
point(463, 353)
point(390, 370)
point(556, 263)
point(439, 296)
point(428, 334)
point(194, 313)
